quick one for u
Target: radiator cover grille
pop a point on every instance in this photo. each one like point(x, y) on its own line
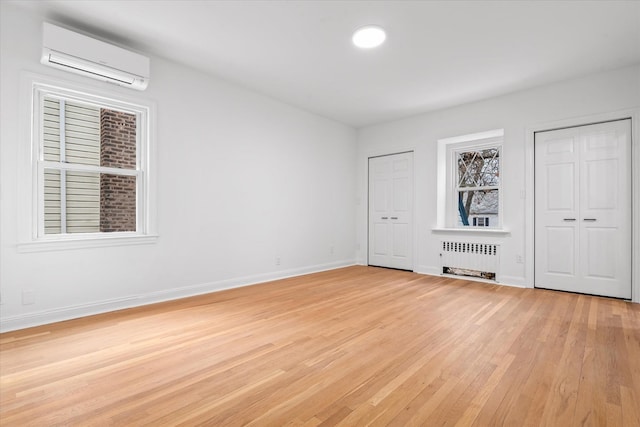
point(470, 259)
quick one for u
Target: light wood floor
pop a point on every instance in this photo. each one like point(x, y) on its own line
point(350, 347)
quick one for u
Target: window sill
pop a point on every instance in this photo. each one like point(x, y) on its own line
point(473, 231)
point(69, 243)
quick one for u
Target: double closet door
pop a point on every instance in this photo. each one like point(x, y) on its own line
point(583, 209)
point(391, 211)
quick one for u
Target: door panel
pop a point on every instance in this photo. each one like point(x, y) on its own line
point(561, 254)
point(401, 194)
point(583, 209)
point(380, 239)
point(600, 250)
point(560, 190)
point(380, 196)
point(400, 240)
point(600, 175)
point(560, 145)
point(391, 211)
point(556, 208)
point(606, 209)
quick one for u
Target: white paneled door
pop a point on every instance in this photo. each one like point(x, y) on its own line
point(391, 211)
point(583, 209)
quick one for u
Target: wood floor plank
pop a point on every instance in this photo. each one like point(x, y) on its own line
point(356, 346)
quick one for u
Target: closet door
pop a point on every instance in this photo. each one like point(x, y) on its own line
point(583, 209)
point(391, 211)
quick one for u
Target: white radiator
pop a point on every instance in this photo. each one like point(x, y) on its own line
point(470, 259)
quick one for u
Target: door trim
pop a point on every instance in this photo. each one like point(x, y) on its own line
point(530, 131)
point(414, 242)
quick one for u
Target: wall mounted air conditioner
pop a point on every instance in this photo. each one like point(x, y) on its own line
point(89, 57)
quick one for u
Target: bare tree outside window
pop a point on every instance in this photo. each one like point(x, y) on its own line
point(478, 182)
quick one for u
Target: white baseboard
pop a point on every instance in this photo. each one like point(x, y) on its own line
point(28, 320)
point(428, 270)
point(515, 281)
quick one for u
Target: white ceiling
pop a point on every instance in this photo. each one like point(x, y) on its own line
point(437, 54)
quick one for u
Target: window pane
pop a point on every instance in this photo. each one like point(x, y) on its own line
point(478, 208)
point(52, 202)
point(92, 202)
point(118, 139)
point(83, 202)
point(117, 203)
point(89, 134)
point(479, 168)
point(81, 133)
point(51, 129)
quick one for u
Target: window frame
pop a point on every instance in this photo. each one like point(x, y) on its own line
point(447, 180)
point(33, 235)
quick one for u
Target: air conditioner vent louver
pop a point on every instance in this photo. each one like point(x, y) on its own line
point(100, 73)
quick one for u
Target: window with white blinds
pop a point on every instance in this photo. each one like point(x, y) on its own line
point(90, 163)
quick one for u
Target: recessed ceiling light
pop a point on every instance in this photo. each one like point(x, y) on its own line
point(369, 37)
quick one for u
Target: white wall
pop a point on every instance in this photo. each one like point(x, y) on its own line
point(243, 179)
point(516, 113)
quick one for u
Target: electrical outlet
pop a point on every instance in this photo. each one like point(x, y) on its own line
point(277, 260)
point(519, 259)
point(331, 249)
point(28, 297)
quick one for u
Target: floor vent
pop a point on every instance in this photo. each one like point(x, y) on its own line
point(470, 259)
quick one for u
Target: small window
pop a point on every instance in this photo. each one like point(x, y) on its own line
point(469, 181)
point(90, 165)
